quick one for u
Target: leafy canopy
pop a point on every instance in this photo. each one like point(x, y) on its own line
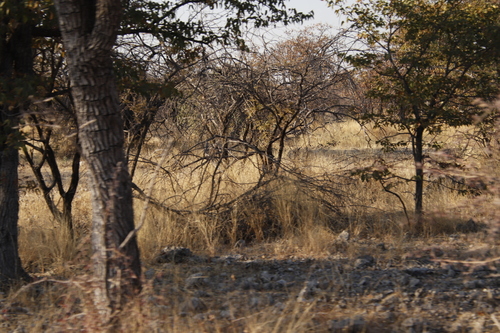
point(427, 60)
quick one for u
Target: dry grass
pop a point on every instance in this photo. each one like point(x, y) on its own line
point(284, 217)
point(285, 210)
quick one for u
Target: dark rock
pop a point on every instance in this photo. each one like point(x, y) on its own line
point(194, 304)
point(356, 324)
point(173, 254)
point(282, 284)
point(413, 283)
point(419, 271)
point(201, 293)
point(150, 273)
point(468, 227)
point(364, 262)
point(474, 284)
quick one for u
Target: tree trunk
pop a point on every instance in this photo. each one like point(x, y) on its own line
point(89, 31)
point(418, 157)
point(10, 264)
point(16, 65)
point(64, 217)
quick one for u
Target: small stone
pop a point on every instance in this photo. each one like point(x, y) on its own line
point(418, 271)
point(404, 279)
point(280, 284)
point(365, 281)
point(249, 283)
point(201, 293)
point(344, 236)
point(196, 280)
point(266, 277)
point(481, 271)
point(199, 317)
point(226, 314)
point(356, 324)
point(150, 273)
point(414, 282)
point(194, 304)
point(240, 244)
point(474, 284)
point(409, 322)
point(451, 272)
point(254, 302)
point(231, 259)
point(364, 262)
point(278, 307)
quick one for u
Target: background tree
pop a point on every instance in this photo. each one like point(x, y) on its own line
point(270, 96)
point(48, 125)
point(427, 63)
point(16, 81)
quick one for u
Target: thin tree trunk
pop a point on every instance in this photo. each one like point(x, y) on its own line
point(69, 195)
point(419, 178)
point(89, 32)
point(63, 217)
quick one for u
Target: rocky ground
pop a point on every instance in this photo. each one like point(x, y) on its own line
point(449, 284)
point(446, 284)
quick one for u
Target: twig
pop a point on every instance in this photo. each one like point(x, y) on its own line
point(495, 320)
point(475, 262)
point(399, 198)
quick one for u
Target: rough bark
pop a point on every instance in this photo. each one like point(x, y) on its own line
point(89, 31)
point(15, 63)
point(10, 263)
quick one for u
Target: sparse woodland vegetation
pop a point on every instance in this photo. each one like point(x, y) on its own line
point(259, 156)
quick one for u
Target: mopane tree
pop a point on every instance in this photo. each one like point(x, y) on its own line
point(291, 85)
point(426, 63)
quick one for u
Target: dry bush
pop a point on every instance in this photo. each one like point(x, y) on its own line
point(278, 210)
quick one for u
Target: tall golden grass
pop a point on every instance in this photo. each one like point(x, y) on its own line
point(291, 212)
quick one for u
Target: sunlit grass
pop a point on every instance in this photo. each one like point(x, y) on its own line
point(290, 211)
